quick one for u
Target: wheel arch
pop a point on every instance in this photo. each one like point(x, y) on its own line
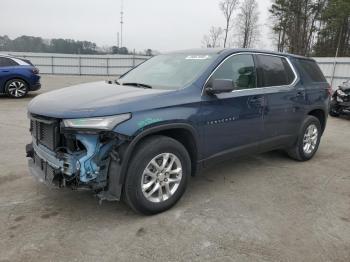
point(183, 133)
point(321, 115)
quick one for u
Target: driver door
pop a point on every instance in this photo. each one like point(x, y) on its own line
point(234, 120)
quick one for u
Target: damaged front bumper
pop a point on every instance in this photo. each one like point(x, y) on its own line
point(88, 160)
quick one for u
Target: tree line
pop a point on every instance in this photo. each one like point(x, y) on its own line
point(65, 46)
point(303, 27)
point(312, 27)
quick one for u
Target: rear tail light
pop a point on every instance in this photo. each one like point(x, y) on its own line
point(330, 90)
point(35, 71)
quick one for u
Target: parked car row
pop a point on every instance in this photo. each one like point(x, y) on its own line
point(18, 76)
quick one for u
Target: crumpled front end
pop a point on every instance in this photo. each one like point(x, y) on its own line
point(71, 158)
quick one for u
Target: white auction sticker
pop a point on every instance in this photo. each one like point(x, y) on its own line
point(197, 57)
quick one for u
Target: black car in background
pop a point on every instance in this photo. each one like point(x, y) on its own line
point(341, 100)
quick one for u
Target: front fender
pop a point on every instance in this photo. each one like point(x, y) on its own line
point(143, 120)
point(149, 130)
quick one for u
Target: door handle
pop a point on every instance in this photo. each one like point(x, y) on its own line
point(300, 93)
point(257, 101)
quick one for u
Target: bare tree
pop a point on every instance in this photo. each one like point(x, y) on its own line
point(248, 23)
point(212, 40)
point(227, 7)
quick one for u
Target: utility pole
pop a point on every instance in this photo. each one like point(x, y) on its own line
point(336, 55)
point(121, 24)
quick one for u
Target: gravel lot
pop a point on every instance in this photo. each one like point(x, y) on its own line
point(260, 208)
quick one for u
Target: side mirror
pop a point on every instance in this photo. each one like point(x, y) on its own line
point(220, 86)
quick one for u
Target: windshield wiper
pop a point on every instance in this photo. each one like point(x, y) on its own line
point(137, 85)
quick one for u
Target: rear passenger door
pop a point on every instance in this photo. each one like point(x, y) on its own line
point(285, 100)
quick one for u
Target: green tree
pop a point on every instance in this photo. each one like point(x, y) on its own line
point(149, 52)
point(4, 43)
point(334, 34)
point(295, 24)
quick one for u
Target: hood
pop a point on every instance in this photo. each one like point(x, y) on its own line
point(345, 86)
point(93, 99)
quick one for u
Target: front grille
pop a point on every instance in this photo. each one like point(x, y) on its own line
point(45, 132)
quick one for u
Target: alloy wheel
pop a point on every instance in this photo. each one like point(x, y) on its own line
point(161, 177)
point(17, 89)
point(310, 139)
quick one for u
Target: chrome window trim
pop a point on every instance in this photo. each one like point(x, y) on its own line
point(257, 88)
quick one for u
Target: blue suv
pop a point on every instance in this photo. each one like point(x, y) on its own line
point(141, 137)
point(18, 76)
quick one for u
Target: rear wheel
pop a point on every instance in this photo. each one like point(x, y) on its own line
point(308, 140)
point(16, 88)
point(157, 175)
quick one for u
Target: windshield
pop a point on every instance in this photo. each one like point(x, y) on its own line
point(171, 71)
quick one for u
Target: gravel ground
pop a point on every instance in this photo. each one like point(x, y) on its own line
point(259, 208)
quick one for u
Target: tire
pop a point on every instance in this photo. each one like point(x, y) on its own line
point(139, 184)
point(299, 151)
point(16, 88)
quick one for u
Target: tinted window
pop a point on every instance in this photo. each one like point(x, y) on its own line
point(274, 71)
point(4, 61)
point(311, 70)
point(239, 68)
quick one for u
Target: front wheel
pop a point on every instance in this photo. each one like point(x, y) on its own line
point(308, 140)
point(157, 175)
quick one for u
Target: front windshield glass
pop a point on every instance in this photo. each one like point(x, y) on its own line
point(171, 71)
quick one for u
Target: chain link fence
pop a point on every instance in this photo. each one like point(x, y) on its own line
point(336, 70)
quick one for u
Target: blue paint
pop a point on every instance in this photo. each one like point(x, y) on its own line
point(238, 123)
point(24, 72)
point(88, 168)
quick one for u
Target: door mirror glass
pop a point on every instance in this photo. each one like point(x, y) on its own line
point(220, 86)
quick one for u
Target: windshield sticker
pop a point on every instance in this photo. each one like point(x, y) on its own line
point(148, 121)
point(197, 57)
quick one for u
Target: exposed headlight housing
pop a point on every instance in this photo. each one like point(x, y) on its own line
point(103, 123)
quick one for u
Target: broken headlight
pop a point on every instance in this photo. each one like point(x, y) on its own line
point(104, 123)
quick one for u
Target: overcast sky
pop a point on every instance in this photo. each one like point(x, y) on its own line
point(157, 24)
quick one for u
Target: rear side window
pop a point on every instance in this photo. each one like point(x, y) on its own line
point(311, 70)
point(274, 71)
point(4, 61)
